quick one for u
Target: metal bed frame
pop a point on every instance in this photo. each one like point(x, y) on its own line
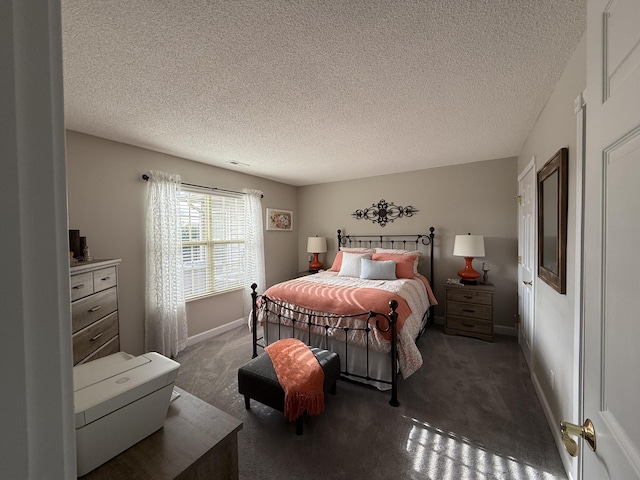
point(384, 322)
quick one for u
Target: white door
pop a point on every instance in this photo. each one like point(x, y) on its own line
point(526, 258)
point(611, 357)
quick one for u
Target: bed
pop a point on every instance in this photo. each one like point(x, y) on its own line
point(370, 307)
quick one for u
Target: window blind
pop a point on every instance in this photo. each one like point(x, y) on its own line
point(213, 242)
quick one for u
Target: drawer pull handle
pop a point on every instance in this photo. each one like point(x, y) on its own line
point(96, 308)
point(468, 310)
point(468, 325)
point(78, 287)
point(96, 337)
point(104, 279)
point(468, 297)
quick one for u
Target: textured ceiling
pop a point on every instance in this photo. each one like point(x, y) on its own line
point(304, 91)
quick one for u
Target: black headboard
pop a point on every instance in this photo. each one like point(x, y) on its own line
point(405, 242)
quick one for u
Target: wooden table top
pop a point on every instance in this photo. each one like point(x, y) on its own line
point(191, 430)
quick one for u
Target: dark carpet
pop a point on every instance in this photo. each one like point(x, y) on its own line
point(470, 412)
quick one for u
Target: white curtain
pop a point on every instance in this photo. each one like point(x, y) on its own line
point(165, 313)
point(254, 245)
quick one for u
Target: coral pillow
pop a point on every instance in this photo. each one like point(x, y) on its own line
point(405, 264)
point(412, 253)
point(337, 262)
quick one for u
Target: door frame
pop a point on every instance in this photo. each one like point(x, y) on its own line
point(580, 109)
point(528, 353)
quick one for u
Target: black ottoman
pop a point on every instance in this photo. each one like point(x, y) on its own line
point(257, 379)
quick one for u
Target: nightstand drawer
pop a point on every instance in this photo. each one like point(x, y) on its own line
point(469, 296)
point(469, 310)
point(473, 325)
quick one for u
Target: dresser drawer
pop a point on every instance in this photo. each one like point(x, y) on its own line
point(90, 309)
point(472, 325)
point(91, 338)
point(469, 296)
point(104, 278)
point(81, 285)
point(469, 310)
point(112, 346)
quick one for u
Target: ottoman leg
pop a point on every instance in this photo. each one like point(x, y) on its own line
point(247, 402)
point(299, 425)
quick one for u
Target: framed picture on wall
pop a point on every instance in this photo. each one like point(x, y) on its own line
point(553, 187)
point(278, 219)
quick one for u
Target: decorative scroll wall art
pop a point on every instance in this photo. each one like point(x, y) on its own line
point(383, 212)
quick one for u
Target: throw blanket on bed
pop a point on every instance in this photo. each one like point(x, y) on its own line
point(300, 376)
point(342, 300)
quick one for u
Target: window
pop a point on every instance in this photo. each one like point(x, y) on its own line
point(213, 242)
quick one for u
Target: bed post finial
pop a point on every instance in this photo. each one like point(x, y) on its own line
point(339, 239)
point(254, 317)
point(393, 319)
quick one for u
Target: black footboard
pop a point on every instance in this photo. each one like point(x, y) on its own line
point(321, 324)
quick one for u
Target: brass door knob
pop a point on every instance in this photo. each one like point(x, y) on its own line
point(586, 431)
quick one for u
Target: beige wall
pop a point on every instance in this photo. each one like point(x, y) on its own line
point(107, 199)
point(554, 342)
point(476, 197)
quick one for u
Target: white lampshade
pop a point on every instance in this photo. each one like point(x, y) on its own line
point(317, 245)
point(468, 246)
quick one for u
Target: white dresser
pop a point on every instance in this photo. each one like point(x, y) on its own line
point(94, 309)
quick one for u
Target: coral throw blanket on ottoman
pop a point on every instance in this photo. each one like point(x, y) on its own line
point(300, 376)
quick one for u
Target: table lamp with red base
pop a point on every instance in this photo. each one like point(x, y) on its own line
point(468, 246)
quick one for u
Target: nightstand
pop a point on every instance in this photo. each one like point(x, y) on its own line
point(304, 273)
point(469, 310)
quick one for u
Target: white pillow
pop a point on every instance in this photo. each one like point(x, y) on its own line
point(351, 264)
point(381, 270)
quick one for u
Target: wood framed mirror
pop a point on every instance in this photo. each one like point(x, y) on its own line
point(552, 221)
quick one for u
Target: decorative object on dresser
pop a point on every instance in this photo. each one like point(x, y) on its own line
point(468, 246)
point(94, 309)
point(74, 243)
point(316, 245)
point(469, 310)
point(78, 248)
point(485, 273)
point(384, 212)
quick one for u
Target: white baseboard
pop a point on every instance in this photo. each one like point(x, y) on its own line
point(214, 332)
point(502, 330)
point(554, 425)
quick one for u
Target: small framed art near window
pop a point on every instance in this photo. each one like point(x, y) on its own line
point(552, 221)
point(279, 219)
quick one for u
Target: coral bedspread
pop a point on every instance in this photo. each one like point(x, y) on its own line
point(326, 292)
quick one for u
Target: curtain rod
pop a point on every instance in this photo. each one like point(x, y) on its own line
point(145, 177)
